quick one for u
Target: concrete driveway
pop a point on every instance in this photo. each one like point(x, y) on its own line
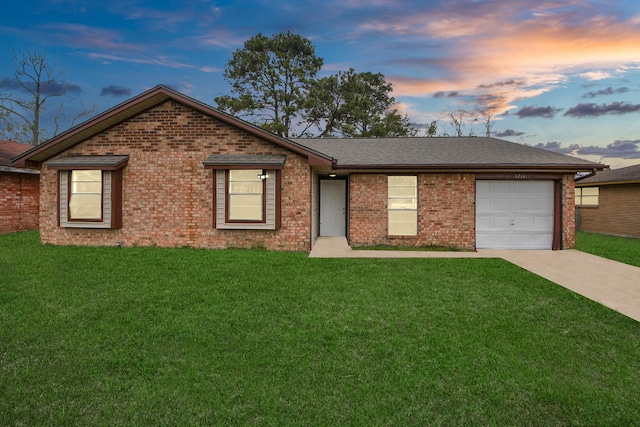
point(610, 283)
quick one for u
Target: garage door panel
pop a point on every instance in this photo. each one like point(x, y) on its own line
point(514, 214)
point(522, 204)
point(543, 223)
point(500, 205)
point(493, 240)
point(500, 221)
point(532, 241)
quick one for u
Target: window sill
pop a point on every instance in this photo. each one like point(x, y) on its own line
point(81, 224)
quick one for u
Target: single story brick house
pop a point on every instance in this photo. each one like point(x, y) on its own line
point(19, 191)
point(164, 169)
point(609, 202)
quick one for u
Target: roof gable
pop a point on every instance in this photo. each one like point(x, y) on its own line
point(627, 175)
point(141, 103)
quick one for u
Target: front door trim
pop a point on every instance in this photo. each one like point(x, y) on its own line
point(333, 207)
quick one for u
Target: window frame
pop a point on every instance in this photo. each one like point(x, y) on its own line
point(111, 167)
point(228, 194)
point(272, 164)
point(390, 209)
point(70, 195)
point(581, 196)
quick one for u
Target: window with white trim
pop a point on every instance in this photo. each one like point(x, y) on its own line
point(587, 196)
point(402, 205)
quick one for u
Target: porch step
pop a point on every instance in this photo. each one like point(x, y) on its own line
point(330, 247)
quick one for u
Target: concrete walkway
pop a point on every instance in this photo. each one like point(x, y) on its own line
point(610, 283)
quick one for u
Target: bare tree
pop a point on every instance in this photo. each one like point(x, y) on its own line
point(457, 122)
point(488, 125)
point(37, 82)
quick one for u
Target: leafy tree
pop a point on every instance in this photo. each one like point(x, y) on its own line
point(37, 82)
point(270, 78)
point(274, 83)
point(355, 105)
point(432, 129)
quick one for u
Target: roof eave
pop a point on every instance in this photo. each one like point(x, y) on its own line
point(567, 168)
point(144, 102)
point(602, 183)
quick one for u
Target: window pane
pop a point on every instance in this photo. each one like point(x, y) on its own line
point(403, 223)
point(587, 196)
point(245, 207)
point(246, 187)
point(403, 180)
point(244, 175)
point(245, 202)
point(590, 191)
point(86, 187)
point(85, 206)
point(88, 175)
point(402, 191)
point(402, 204)
point(85, 201)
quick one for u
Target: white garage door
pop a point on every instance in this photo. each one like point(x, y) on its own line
point(514, 214)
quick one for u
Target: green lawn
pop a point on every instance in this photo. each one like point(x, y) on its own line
point(149, 336)
point(623, 249)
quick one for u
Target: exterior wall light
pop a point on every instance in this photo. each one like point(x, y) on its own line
point(332, 175)
point(264, 175)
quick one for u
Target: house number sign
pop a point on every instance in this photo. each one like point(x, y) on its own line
point(521, 176)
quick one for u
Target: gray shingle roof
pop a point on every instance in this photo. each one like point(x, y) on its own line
point(9, 149)
point(464, 152)
point(88, 161)
point(622, 175)
point(10, 169)
point(275, 160)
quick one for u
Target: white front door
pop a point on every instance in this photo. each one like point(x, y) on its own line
point(514, 214)
point(333, 200)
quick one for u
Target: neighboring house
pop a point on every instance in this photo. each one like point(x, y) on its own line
point(609, 202)
point(19, 191)
point(164, 169)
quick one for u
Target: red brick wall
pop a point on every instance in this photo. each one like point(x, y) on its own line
point(618, 211)
point(167, 192)
point(19, 202)
point(446, 211)
point(568, 212)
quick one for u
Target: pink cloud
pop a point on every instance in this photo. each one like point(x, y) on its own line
point(484, 43)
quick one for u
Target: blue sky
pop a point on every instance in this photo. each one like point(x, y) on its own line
point(564, 75)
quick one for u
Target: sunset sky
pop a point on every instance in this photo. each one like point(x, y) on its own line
point(563, 75)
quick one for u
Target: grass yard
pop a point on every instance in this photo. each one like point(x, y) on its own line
point(149, 336)
point(623, 249)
